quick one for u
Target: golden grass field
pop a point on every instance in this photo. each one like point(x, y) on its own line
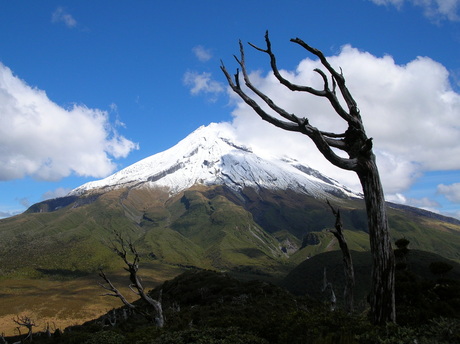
point(63, 303)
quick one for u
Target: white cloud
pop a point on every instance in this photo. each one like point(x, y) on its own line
point(114, 110)
point(424, 203)
point(434, 9)
point(38, 138)
point(410, 110)
point(61, 16)
point(451, 192)
point(397, 173)
point(59, 192)
point(201, 53)
point(24, 201)
point(9, 213)
point(200, 83)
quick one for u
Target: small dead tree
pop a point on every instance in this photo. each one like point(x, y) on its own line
point(26, 322)
point(123, 249)
point(347, 261)
point(328, 285)
point(361, 159)
point(48, 328)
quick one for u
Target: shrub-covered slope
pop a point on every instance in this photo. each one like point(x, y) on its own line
point(212, 307)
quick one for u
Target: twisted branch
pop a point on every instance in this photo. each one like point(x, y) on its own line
point(136, 284)
point(324, 141)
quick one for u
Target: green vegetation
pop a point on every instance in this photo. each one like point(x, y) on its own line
point(211, 307)
point(210, 228)
point(49, 257)
point(307, 277)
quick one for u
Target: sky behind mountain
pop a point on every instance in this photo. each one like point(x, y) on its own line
point(87, 88)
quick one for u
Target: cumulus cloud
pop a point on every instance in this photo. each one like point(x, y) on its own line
point(201, 53)
point(410, 110)
point(202, 83)
point(39, 138)
point(60, 15)
point(434, 9)
point(451, 192)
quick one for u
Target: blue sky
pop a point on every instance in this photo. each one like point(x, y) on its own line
point(90, 87)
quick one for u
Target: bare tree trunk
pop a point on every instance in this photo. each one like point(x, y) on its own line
point(156, 304)
point(382, 297)
point(27, 323)
point(348, 295)
point(354, 142)
point(326, 285)
point(136, 285)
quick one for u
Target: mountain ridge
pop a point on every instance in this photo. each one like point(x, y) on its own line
point(211, 155)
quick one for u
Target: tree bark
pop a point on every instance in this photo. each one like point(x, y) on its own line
point(354, 143)
point(382, 296)
point(348, 294)
point(326, 285)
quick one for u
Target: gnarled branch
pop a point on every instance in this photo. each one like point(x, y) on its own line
point(120, 247)
point(324, 141)
point(360, 159)
point(26, 322)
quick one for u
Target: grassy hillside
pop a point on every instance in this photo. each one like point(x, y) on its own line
point(66, 247)
point(203, 227)
point(286, 214)
point(261, 234)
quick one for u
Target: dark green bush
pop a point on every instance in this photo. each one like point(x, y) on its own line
point(230, 335)
point(143, 335)
point(436, 331)
point(440, 268)
point(319, 325)
point(106, 337)
point(212, 308)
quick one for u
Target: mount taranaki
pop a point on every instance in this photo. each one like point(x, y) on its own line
point(208, 202)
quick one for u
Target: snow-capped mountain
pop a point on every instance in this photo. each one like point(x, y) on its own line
point(211, 155)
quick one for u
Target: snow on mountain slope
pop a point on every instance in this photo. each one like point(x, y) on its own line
point(210, 156)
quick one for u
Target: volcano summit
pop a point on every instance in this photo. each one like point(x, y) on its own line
point(212, 156)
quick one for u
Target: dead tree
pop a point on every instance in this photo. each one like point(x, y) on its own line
point(26, 322)
point(361, 159)
point(47, 329)
point(120, 247)
point(328, 285)
point(347, 261)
